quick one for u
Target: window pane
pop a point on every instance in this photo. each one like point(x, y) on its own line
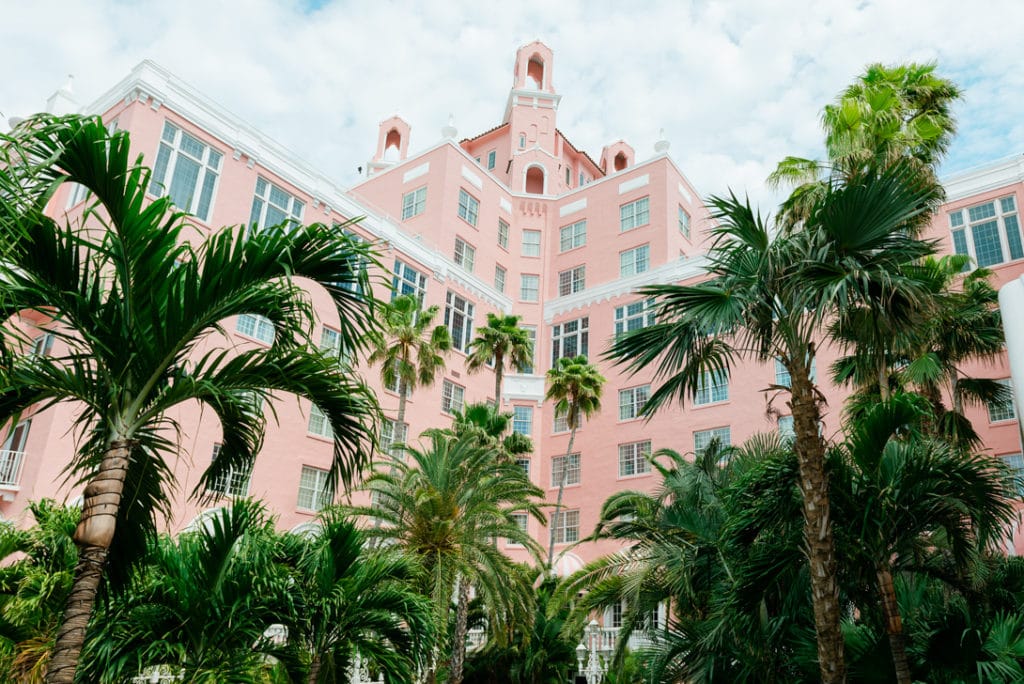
point(987, 250)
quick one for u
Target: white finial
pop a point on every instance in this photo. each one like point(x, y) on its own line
point(71, 81)
point(662, 145)
point(449, 132)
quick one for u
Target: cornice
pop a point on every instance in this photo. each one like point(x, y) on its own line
point(984, 178)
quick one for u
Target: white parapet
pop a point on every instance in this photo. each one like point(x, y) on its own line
point(1011, 305)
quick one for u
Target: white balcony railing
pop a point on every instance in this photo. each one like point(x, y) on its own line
point(10, 468)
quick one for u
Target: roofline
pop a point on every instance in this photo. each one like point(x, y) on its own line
point(984, 177)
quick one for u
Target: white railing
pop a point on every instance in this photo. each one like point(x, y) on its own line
point(10, 468)
point(475, 638)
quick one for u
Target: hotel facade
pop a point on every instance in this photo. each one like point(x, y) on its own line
point(513, 220)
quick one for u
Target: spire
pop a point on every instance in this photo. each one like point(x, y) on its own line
point(449, 131)
point(63, 100)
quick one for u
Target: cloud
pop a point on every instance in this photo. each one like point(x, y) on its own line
point(735, 85)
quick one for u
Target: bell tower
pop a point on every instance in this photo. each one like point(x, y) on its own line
point(530, 112)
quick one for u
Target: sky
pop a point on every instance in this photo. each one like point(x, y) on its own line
point(736, 86)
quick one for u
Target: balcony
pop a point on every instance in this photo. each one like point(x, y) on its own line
point(10, 472)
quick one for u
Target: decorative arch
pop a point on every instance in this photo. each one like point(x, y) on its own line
point(567, 564)
point(307, 529)
point(620, 162)
point(202, 521)
point(392, 145)
point(535, 180)
point(535, 71)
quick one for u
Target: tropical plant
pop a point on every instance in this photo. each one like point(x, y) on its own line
point(135, 305)
point(350, 599)
point(199, 607)
point(499, 342)
point(574, 384)
point(489, 426)
point(409, 350)
point(770, 295)
point(37, 569)
point(900, 494)
point(446, 503)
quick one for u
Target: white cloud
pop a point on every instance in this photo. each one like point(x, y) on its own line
point(735, 85)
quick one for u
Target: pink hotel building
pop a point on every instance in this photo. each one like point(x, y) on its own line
point(515, 220)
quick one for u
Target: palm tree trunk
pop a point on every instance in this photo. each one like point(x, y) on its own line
point(459, 638)
point(93, 536)
point(883, 382)
point(398, 435)
point(818, 535)
point(499, 371)
point(314, 669)
point(893, 624)
point(558, 504)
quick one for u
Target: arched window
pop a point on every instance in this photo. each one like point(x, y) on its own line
point(535, 72)
point(535, 180)
point(392, 145)
point(620, 161)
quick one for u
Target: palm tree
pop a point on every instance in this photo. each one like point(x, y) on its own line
point(353, 600)
point(409, 351)
point(200, 606)
point(770, 296)
point(500, 341)
point(134, 304)
point(490, 427)
point(903, 493)
point(446, 505)
point(574, 384)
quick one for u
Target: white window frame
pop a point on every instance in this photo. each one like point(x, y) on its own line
point(786, 429)
point(465, 254)
point(500, 278)
point(313, 486)
point(234, 483)
point(256, 327)
point(633, 316)
point(458, 317)
point(408, 280)
point(712, 388)
point(560, 423)
point(531, 246)
point(196, 199)
point(529, 287)
point(1015, 462)
point(330, 342)
point(635, 214)
point(572, 280)
point(684, 222)
point(568, 530)
point(414, 203)
point(266, 197)
point(1005, 214)
point(524, 463)
point(42, 344)
point(522, 520)
point(522, 420)
point(452, 397)
point(387, 434)
point(503, 231)
point(531, 332)
point(633, 458)
point(573, 475)
point(579, 334)
point(632, 400)
point(999, 412)
point(634, 261)
point(702, 438)
point(318, 424)
point(469, 207)
point(492, 159)
point(572, 236)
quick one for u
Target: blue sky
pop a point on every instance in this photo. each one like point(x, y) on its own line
point(736, 85)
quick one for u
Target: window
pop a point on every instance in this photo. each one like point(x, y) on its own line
point(573, 280)
point(408, 281)
point(1015, 462)
point(522, 420)
point(318, 423)
point(396, 385)
point(991, 232)
point(16, 440)
point(524, 463)
point(451, 397)
point(633, 261)
point(272, 206)
point(567, 465)
point(571, 338)
point(782, 376)
point(702, 438)
point(458, 316)
point(186, 171)
point(633, 316)
point(492, 159)
point(413, 203)
point(712, 387)
point(77, 194)
point(561, 423)
point(568, 529)
point(572, 236)
point(684, 223)
point(529, 287)
point(499, 279)
point(568, 176)
point(231, 482)
point(330, 342)
point(633, 458)
point(632, 400)
point(521, 520)
point(786, 430)
point(469, 207)
point(1001, 410)
point(522, 141)
point(503, 234)
point(42, 345)
point(531, 243)
point(581, 178)
point(531, 332)
point(257, 327)
point(614, 617)
point(388, 436)
point(314, 492)
point(465, 254)
point(634, 214)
